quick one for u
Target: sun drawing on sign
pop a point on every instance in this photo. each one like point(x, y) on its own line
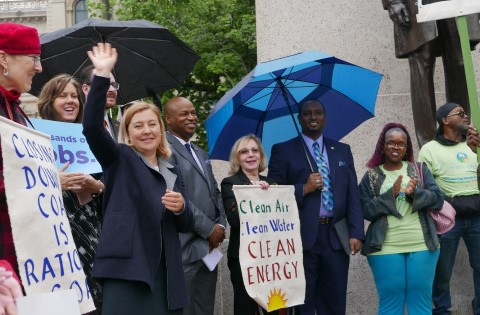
point(276, 300)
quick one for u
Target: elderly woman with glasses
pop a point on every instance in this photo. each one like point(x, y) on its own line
point(401, 243)
point(247, 160)
point(19, 63)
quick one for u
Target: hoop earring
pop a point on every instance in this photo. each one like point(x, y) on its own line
point(5, 72)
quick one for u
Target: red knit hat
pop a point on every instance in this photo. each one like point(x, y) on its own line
point(18, 39)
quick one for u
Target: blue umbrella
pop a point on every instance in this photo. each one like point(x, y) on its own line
point(266, 100)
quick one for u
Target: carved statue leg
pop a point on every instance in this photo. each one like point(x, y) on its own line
point(455, 82)
point(422, 67)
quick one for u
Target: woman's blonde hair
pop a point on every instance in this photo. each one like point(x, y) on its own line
point(51, 90)
point(163, 149)
point(235, 153)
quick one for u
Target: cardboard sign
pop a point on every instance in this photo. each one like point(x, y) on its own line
point(47, 257)
point(69, 145)
point(430, 10)
point(54, 303)
point(271, 253)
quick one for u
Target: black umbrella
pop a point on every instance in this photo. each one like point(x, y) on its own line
point(150, 58)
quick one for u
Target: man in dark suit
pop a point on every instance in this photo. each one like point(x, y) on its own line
point(202, 191)
point(322, 224)
point(86, 77)
point(421, 43)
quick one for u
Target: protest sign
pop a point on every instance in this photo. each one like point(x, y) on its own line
point(47, 257)
point(271, 255)
point(430, 10)
point(69, 145)
point(53, 303)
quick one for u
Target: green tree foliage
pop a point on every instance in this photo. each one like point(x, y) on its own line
point(222, 32)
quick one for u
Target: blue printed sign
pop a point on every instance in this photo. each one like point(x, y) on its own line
point(69, 145)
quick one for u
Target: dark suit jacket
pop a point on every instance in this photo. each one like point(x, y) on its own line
point(288, 166)
point(115, 125)
point(231, 208)
point(202, 190)
point(136, 225)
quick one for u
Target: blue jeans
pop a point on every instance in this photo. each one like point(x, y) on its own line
point(404, 279)
point(469, 230)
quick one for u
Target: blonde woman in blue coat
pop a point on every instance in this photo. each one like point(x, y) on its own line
point(139, 256)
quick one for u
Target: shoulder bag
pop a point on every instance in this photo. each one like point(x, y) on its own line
point(444, 219)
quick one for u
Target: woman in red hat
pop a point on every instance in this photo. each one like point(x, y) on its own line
point(19, 62)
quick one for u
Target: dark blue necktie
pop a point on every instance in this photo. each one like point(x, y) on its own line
point(189, 148)
point(327, 192)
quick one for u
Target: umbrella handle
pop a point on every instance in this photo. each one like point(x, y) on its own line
point(304, 145)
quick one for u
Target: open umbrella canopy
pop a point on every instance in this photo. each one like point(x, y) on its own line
point(265, 101)
point(151, 59)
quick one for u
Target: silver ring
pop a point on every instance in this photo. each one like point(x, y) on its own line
point(317, 181)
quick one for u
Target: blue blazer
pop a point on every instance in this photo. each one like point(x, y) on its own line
point(289, 166)
point(137, 228)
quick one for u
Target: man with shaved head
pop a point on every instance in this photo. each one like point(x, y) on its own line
point(202, 191)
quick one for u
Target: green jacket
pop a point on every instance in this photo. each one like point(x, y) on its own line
point(377, 206)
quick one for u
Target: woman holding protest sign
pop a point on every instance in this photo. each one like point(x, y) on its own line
point(139, 258)
point(59, 101)
point(19, 62)
point(247, 160)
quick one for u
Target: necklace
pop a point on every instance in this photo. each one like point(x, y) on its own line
point(254, 178)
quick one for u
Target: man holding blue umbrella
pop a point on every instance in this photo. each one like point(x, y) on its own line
point(323, 173)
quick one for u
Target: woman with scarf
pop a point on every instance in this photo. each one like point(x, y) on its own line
point(19, 63)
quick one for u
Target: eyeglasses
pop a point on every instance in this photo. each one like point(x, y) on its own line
point(115, 85)
point(246, 151)
point(36, 59)
point(393, 145)
point(460, 113)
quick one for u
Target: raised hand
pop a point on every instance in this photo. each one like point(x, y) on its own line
point(103, 57)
